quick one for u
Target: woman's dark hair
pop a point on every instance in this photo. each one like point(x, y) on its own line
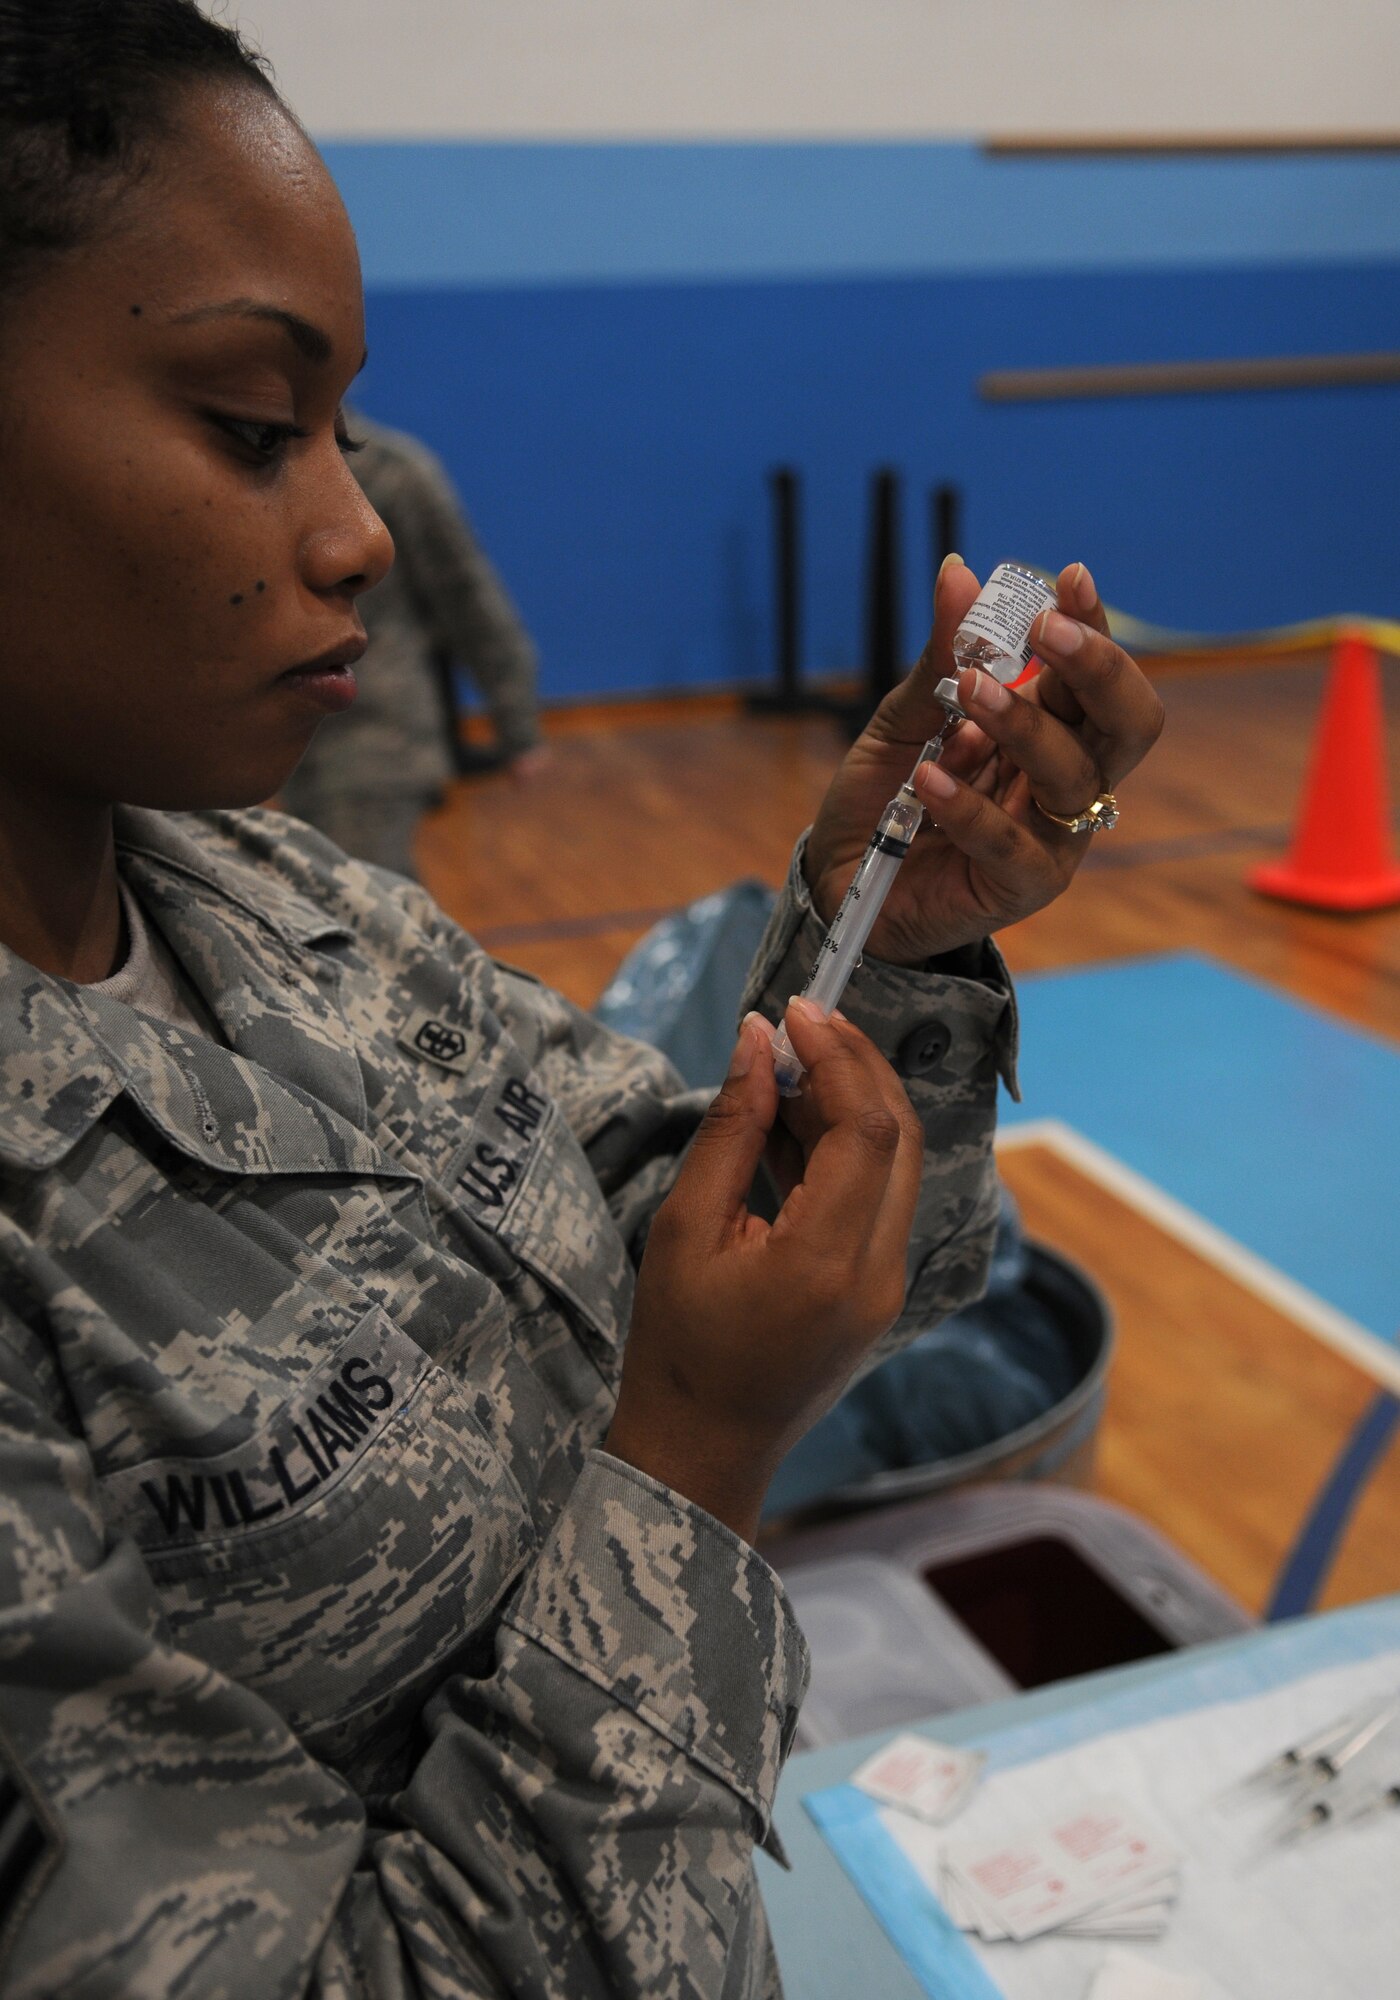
point(85, 86)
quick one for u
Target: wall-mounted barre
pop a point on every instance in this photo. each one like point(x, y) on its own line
point(1190, 378)
point(1061, 144)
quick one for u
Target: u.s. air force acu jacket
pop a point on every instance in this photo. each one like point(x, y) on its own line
point(335, 1656)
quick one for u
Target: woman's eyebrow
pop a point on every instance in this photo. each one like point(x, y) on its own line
point(308, 339)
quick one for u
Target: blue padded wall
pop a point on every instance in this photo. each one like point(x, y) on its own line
point(611, 433)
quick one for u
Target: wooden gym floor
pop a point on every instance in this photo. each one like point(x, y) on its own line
point(1223, 1415)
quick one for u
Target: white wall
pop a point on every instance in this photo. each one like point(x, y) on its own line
point(828, 68)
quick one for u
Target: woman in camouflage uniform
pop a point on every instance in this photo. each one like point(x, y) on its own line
point(378, 1610)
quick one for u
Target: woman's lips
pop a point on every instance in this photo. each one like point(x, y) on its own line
point(328, 681)
point(330, 688)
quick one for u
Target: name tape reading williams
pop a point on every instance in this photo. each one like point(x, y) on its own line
point(310, 1442)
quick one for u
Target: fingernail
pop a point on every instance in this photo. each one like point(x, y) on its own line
point(806, 1008)
point(946, 563)
point(753, 1032)
point(1060, 634)
point(990, 692)
point(745, 1049)
point(935, 779)
point(1084, 589)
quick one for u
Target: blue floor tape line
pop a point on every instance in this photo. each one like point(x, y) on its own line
point(1310, 1559)
point(1275, 1122)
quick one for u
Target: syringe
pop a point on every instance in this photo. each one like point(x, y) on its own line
point(1321, 1756)
point(1347, 1809)
point(843, 944)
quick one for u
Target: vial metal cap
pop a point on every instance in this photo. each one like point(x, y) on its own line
point(946, 692)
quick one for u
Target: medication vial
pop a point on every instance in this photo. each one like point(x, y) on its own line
point(995, 635)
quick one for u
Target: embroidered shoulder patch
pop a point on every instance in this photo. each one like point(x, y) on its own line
point(438, 1041)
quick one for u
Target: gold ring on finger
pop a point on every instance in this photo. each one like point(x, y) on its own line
point(1101, 817)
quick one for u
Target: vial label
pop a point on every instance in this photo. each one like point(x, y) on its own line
point(995, 635)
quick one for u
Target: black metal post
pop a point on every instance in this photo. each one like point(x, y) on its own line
point(945, 510)
point(789, 696)
point(785, 697)
point(883, 586)
point(787, 580)
point(467, 758)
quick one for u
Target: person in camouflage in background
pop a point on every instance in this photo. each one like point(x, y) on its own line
point(391, 1369)
point(369, 775)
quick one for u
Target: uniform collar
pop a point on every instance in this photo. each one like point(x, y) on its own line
point(163, 850)
point(248, 939)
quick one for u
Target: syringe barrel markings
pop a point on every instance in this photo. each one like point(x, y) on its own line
point(843, 944)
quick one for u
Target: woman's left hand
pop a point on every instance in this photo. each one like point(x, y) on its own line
point(986, 856)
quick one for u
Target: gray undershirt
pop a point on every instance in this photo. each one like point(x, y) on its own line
point(151, 979)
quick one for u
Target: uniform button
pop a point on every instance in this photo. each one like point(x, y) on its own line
point(923, 1049)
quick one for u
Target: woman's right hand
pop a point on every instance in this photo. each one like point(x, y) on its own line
point(744, 1332)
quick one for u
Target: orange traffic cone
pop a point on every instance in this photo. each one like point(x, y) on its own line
point(1341, 857)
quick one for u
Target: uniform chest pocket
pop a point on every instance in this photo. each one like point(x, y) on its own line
point(340, 1558)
